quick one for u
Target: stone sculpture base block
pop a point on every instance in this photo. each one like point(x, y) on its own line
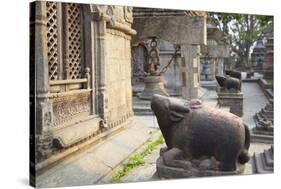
point(263, 162)
point(233, 100)
point(263, 131)
point(153, 85)
point(166, 172)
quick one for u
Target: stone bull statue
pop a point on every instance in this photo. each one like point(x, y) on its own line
point(193, 131)
point(229, 83)
point(233, 73)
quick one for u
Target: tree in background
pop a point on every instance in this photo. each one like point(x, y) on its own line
point(243, 31)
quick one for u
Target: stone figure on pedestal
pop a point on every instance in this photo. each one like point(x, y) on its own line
point(229, 92)
point(153, 57)
point(200, 140)
point(153, 81)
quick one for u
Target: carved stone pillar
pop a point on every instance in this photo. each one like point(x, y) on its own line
point(43, 110)
point(100, 32)
point(213, 69)
point(190, 67)
point(220, 66)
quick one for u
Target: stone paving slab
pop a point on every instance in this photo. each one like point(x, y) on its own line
point(94, 163)
point(141, 173)
point(147, 171)
point(254, 101)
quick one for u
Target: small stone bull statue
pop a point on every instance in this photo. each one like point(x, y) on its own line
point(233, 73)
point(229, 82)
point(193, 131)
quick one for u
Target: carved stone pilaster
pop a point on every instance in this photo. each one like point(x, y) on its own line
point(103, 107)
point(44, 137)
point(43, 110)
point(100, 33)
point(220, 66)
point(190, 66)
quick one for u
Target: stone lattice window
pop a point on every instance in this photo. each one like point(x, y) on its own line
point(74, 41)
point(52, 36)
point(64, 40)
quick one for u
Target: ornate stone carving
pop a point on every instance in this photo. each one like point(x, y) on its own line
point(128, 14)
point(114, 13)
point(47, 119)
point(264, 120)
point(74, 41)
point(68, 108)
point(44, 140)
point(52, 39)
point(88, 77)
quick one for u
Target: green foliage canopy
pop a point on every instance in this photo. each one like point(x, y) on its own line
point(243, 31)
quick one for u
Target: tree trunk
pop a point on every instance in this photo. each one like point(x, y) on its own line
point(244, 59)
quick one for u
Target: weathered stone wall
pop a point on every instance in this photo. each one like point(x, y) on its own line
point(118, 74)
point(82, 57)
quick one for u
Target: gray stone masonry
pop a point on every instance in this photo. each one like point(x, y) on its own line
point(233, 100)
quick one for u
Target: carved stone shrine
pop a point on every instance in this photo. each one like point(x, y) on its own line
point(268, 64)
point(258, 56)
point(264, 120)
point(79, 73)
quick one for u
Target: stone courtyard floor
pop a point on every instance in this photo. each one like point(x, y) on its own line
point(99, 163)
point(254, 101)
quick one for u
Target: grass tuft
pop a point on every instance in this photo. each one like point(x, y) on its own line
point(137, 159)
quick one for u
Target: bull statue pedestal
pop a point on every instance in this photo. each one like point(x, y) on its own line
point(232, 99)
point(201, 141)
point(198, 168)
point(229, 93)
point(153, 85)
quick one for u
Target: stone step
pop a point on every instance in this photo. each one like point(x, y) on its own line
point(257, 137)
point(142, 110)
point(144, 113)
point(142, 104)
point(268, 157)
point(259, 164)
point(269, 93)
point(266, 166)
point(263, 130)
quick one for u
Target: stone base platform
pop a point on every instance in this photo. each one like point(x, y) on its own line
point(263, 131)
point(261, 137)
point(233, 100)
point(264, 121)
point(263, 162)
point(197, 170)
point(141, 107)
point(153, 85)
